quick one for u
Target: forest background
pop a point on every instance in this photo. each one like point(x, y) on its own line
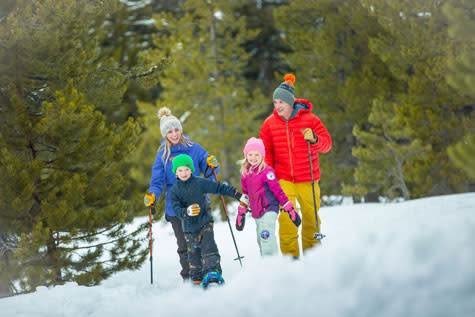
point(81, 82)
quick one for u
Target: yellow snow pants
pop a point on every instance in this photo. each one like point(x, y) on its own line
point(288, 232)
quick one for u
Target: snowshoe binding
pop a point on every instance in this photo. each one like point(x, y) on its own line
point(196, 283)
point(212, 278)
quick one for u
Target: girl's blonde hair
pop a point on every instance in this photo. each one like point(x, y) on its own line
point(246, 167)
point(166, 147)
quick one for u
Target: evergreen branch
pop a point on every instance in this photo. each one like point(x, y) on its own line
point(409, 154)
point(52, 148)
point(30, 211)
point(387, 136)
point(90, 235)
point(71, 170)
point(148, 72)
point(90, 246)
point(105, 270)
point(38, 78)
point(393, 189)
point(8, 244)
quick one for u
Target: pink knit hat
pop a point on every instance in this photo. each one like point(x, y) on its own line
point(254, 144)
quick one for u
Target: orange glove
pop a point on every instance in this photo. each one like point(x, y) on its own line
point(310, 136)
point(149, 199)
point(212, 161)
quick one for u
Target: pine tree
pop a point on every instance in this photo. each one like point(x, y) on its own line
point(415, 48)
point(205, 84)
point(337, 72)
point(47, 43)
point(266, 48)
point(61, 174)
point(128, 33)
point(383, 154)
point(61, 162)
point(461, 18)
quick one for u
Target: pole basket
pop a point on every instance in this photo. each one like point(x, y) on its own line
point(239, 258)
point(319, 236)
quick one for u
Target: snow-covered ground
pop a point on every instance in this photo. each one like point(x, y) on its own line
point(414, 258)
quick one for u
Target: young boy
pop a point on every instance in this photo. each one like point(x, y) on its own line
point(189, 203)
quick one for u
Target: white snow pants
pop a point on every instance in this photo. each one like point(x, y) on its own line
point(265, 229)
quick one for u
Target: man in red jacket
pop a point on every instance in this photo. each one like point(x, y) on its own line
point(285, 134)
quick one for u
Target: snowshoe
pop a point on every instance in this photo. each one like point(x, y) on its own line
point(212, 278)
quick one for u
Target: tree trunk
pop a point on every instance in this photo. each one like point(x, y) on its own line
point(5, 289)
point(223, 154)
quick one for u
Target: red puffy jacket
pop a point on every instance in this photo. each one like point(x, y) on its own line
point(286, 149)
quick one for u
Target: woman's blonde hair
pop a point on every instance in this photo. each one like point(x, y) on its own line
point(246, 167)
point(167, 145)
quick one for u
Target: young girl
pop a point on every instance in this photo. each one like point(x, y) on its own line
point(189, 202)
point(265, 194)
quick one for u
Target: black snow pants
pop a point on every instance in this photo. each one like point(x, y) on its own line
point(181, 242)
point(203, 255)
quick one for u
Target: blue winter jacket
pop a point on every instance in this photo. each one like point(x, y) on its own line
point(162, 171)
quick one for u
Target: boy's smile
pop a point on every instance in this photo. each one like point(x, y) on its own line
point(183, 173)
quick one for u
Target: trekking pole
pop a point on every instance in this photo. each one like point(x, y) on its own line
point(229, 223)
point(151, 243)
point(317, 235)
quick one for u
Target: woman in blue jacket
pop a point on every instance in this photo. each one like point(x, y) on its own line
point(174, 143)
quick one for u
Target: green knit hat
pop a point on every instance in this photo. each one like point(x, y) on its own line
point(182, 160)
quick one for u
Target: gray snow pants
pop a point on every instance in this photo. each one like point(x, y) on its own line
point(265, 229)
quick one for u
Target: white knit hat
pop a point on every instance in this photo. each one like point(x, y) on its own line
point(167, 121)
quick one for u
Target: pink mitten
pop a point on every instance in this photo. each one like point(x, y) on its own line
point(293, 214)
point(241, 218)
point(295, 217)
point(288, 206)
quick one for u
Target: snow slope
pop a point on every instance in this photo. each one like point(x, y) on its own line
point(414, 258)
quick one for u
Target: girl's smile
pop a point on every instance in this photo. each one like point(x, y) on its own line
point(254, 157)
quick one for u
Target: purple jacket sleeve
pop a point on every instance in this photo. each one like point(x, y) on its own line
point(274, 186)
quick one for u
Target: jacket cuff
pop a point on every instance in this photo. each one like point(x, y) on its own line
point(237, 195)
